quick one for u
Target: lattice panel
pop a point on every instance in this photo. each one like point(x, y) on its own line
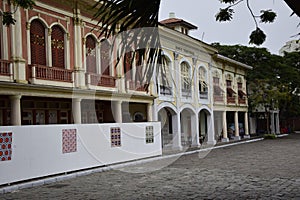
point(115, 135)
point(149, 135)
point(5, 146)
point(69, 140)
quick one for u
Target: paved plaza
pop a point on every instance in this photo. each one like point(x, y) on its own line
point(266, 169)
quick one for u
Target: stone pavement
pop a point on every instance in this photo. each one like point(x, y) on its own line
point(267, 169)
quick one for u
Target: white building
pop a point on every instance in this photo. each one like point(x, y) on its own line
point(290, 46)
point(200, 93)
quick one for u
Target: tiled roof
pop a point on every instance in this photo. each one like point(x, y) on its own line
point(176, 21)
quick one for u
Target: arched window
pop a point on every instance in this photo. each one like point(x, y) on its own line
point(203, 87)
point(91, 54)
point(105, 57)
point(128, 65)
point(58, 46)
point(185, 80)
point(37, 43)
point(165, 78)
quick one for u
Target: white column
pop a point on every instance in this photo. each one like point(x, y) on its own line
point(16, 110)
point(236, 126)
point(195, 130)
point(17, 48)
point(150, 112)
point(211, 130)
point(225, 136)
point(277, 124)
point(79, 71)
point(246, 128)
point(117, 111)
point(272, 122)
point(176, 132)
point(76, 110)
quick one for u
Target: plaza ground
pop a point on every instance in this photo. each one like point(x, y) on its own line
point(266, 169)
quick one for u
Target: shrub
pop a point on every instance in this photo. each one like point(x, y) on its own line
point(269, 136)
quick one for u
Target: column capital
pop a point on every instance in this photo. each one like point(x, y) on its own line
point(15, 97)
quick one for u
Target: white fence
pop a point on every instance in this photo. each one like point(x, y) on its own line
point(28, 152)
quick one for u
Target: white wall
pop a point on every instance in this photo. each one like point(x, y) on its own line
point(37, 150)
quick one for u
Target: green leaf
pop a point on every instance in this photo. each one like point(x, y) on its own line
point(257, 37)
point(228, 1)
point(26, 4)
point(267, 16)
point(224, 14)
point(7, 19)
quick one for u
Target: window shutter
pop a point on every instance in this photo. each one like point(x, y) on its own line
point(58, 44)
point(37, 43)
point(91, 54)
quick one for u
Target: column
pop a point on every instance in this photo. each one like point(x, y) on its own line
point(150, 112)
point(225, 136)
point(195, 130)
point(79, 71)
point(211, 130)
point(236, 126)
point(17, 48)
point(272, 122)
point(246, 128)
point(117, 111)
point(277, 124)
point(76, 110)
point(16, 110)
point(176, 132)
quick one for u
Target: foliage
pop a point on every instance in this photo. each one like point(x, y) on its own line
point(7, 17)
point(270, 136)
point(274, 80)
point(136, 26)
point(257, 36)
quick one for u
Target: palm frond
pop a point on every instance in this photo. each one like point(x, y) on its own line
point(133, 24)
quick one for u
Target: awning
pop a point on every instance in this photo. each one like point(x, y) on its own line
point(230, 91)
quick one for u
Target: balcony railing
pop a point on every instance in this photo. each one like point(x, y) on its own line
point(203, 95)
point(5, 68)
point(186, 92)
point(165, 90)
point(242, 101)
point(100, 80)
point(136, 85)
point(50, 73)
point(218, 98)
point(230, 99)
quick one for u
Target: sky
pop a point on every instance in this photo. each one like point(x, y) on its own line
point(202, 14)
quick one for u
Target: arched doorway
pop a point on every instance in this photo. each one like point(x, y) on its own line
point(167, 117)
point(188, 127)
point(205, 126)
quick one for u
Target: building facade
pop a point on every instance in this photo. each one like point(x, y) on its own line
point(202, 96)
point(55, 68)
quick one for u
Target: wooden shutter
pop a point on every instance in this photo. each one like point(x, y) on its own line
point(37, 43)
point(91, 54)
point(57, 45)
point(105, 57)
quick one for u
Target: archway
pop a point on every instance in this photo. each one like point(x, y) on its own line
point(188, 127)
point(167, 117)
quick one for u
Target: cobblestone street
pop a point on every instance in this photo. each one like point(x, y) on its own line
point(267, 169)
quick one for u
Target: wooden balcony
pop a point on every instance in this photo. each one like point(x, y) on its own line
point(100, 80)
point(231, 100)
point(6, 68)
point(218, 98)
point(50, 73)
point(137, 86)
point(242, 101)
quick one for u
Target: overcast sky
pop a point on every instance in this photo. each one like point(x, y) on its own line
point(202, 14)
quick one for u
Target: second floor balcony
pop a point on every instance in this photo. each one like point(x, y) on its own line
point(6, 70)
point(165, 90)
point(100, 80)
point(50, 73)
